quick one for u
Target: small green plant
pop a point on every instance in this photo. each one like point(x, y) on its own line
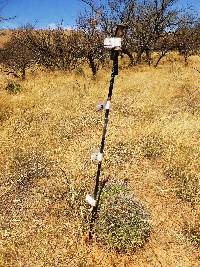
point(123, 222)
point(13, 87)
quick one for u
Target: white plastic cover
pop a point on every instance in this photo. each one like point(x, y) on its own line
point(96, 156)
point(107, 105)
point(90, 200)
point(112, 42)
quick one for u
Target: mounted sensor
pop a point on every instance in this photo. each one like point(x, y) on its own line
point(96, 156)
point(113, 42)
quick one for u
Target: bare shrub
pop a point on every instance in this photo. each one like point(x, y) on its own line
point(187, 40)
point(91, 42)
point(165, 44)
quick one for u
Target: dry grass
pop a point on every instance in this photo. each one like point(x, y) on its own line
point(4, 36)
point(47, 133)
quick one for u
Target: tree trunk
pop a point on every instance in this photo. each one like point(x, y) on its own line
point(139, 56)
point(24, 72)
point(128, 53)
point(186, 59)
point(92, 65)
point(159, 59)
point(148, 55)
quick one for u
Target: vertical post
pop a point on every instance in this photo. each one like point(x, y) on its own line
point(116, 48)
point(114, 57)
point(98, 189)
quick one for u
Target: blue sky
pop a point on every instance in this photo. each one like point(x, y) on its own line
point(50, 12)
point(45, 12)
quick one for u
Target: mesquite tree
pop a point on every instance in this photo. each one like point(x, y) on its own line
point(188, 40)
point(91, 41)
point(16, 57)
point(148, 23)
point(165, 44)
point(152, 19)
point(55, 49)
point(110, 13)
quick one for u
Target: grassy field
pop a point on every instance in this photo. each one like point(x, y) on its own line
point(47, 134)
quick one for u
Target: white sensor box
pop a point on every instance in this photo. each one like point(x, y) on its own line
point(112, 42)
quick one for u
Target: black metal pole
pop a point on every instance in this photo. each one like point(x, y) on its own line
point(114, 56)
point(98, 189)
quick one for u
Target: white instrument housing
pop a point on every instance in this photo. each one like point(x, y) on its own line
point(112, 42)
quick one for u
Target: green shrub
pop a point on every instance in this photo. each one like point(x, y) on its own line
point(122, 223)
point(13, 87)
